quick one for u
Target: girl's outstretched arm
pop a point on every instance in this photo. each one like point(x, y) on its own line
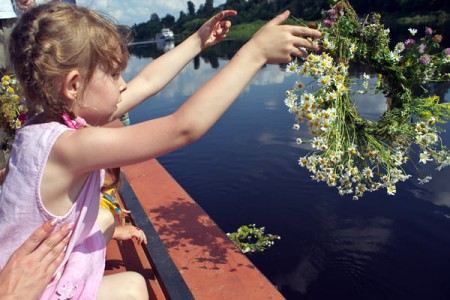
point(273, 43)
point(157, 74)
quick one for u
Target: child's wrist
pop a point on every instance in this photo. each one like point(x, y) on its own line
point(196, 41)
point(255, 52)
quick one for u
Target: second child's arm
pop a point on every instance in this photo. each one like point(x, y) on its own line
point(157, 74)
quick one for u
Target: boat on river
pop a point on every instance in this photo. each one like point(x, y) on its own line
point(165, 35)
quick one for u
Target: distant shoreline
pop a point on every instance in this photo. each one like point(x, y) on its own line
point(439, 20)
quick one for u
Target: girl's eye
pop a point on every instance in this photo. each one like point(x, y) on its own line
point(115, 75)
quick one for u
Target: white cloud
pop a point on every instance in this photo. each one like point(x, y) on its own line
point(138, 11)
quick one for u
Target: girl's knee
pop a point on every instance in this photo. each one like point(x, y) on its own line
point(135, 286)
point(126, 285)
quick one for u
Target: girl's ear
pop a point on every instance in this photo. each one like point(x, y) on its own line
point(72, 85)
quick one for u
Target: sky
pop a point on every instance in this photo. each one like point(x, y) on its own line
point(138, 11)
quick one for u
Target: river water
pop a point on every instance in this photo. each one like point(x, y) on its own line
point(245, 171)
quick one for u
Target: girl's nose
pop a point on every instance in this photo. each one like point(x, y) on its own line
point(122, 84)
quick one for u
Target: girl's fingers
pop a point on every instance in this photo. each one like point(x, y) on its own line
point(224, 14)
point(299, 52)
point(141, 238)
point(304, 31)
point(144, 238)
point(305, 43)
point(279, 19)
point(220, 16)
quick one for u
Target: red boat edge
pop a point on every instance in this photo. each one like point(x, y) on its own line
point(210, 265)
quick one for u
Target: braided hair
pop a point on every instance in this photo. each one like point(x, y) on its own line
point(53, 39)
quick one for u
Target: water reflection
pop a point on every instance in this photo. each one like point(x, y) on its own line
point(165, 46)
point(245, 171)
point(349, 251)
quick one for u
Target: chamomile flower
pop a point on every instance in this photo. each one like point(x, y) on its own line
point(353, 48)
point(395, 56)
point(307, 97)
point(391, 190)
point(299, 85)
point(367, 172)
point(352, 150)
point(425, 157)
point(292, 67)
point(330, 97)
point(399, 47)
point(325, 80)
point(328, 45)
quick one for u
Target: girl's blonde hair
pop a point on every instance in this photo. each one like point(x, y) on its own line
point(53, 39)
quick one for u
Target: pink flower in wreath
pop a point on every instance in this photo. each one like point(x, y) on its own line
point(425, 59)
point(422, 48)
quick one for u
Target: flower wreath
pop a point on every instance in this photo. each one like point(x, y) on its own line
point(251, 239)
point(352, 153)
point(12, 111)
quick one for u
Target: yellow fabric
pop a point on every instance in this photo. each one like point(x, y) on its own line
point(113, 206)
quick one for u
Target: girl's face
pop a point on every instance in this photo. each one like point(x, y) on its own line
point(101, 95)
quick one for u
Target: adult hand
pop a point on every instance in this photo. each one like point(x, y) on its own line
point(26, 4)
point(215, 29)
point(31, 267)
point(278, 43)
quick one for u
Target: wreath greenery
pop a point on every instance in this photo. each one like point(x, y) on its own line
point(12, 110)
point(352, 153)
point(251, 239)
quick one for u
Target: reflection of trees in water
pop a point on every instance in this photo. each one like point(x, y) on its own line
point(224, 50)
point(441, 89)
point(145, 50)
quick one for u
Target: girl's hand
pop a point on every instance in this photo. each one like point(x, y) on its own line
point(215, 29)
point(127, 232)
point(278, 43)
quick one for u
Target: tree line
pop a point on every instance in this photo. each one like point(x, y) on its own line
point(250, 10)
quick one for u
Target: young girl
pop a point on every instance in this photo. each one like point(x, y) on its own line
point(69, 61)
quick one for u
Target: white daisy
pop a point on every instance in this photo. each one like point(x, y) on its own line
point(424, 157)
point(391, 190)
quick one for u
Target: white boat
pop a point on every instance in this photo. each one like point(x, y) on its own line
point(166, 34)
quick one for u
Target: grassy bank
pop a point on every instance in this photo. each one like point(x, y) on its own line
point(245, 31)
point(439, 20)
